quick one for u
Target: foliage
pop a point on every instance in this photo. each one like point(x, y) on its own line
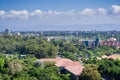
point(38, 64)
point(1, 64)
point(108, 68)
point(90, 72)
point(29, 69)
point(27, 45)
point(14, 67)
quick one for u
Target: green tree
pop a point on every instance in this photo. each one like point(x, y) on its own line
point(1, 64)
point(15, 67)
point(90, 73)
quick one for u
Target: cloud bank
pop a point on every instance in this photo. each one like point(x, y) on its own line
point(60, 18)
point(115, 9)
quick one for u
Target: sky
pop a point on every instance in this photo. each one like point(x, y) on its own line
point(42, 15)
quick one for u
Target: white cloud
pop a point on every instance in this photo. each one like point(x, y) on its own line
point(51, 12)
point(2, 13)
point(70, 17)
point(88, 11)
point(24, 14)
point(115, 9)
point(37, 12)
point(101, 11)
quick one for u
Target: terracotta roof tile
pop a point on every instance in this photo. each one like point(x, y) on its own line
point(72, 66)
point(63, 62)
point(114, 56)
point(76, 69)
point(50, 59)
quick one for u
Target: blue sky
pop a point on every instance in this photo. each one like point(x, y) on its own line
point(31, 5)
point(59, 14)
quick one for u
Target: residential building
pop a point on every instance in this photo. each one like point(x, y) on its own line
point(114, 56)
point(67, 66)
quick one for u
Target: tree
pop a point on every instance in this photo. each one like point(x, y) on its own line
point(90, 73)
point(1, 64)
point(14, 67)
point(6, 77)
point(38, 64)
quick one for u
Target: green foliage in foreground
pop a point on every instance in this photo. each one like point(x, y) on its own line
point(109, 69)
point(90, 72)
point(28, 69)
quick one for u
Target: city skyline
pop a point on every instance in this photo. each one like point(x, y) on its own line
point(21, 15)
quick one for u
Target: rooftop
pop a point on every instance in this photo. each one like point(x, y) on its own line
point(72, 66)
point(114, 56)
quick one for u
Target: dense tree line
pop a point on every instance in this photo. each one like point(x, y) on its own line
point(84, 34)
point(27, 45)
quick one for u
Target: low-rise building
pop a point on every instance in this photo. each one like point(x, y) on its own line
point(67, 66)
point(110, 43)
point(114, 56)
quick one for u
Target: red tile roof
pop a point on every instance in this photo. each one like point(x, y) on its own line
point(110, 43)
point(114, 56)
point(50, 59)
point(72, 66)
point(76, 69)
point(63, 62)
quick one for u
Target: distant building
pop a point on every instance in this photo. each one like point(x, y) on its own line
point(110, 42)
point(97, 41)
point(92, 43)
point(7, 31)
point(86, 43)
point(18, 33)
point(112, 39)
